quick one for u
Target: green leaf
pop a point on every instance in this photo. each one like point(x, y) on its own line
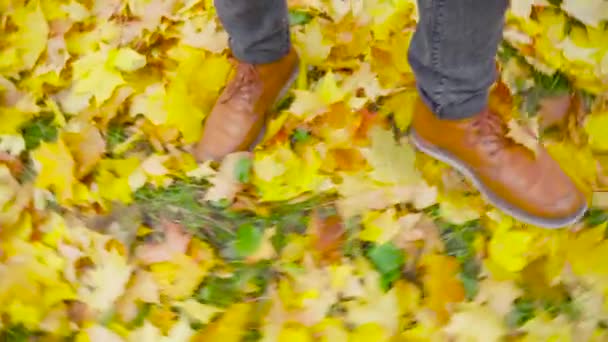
point(38, 130)
point(387, 258)
point(248, 239)
point(300, 135)
point(242, 171)
point(469, 277)
point(297, 17)
point(595, 217)
point(523, 311)
point(220, 291)
point(15, 334)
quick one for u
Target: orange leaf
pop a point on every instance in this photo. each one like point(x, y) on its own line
point(441, 284)
point(327, 235)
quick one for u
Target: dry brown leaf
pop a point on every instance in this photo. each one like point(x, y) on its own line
point(87, 147)
point(224, 184)
point(176, 242)
point(553, 110)
point(328, 235)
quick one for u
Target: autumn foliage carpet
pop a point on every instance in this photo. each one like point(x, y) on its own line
point(335, 229)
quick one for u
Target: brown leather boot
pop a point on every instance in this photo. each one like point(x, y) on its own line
point(237, 121)
point(533, 189)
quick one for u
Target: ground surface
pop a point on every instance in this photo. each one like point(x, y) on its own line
point(334, 230)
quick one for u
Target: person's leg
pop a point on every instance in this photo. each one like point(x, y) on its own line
point(267, 64)
point(258, 29)
point(453, 53)
point(453, 57)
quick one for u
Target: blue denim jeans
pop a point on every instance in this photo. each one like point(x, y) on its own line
point(452, 52)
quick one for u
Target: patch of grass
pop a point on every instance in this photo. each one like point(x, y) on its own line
point(40, 129)
point(458, 241)
point(116, 135)
point(182, 202)
point(246, 282)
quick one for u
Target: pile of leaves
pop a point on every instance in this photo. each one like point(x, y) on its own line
point(335, 229)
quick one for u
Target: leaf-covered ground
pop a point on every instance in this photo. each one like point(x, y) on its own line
point(334, 230)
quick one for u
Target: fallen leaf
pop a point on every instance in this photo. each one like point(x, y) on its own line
point(523, 136)
point(87, 147)
point(56, 169)
point(175, 242)
point(441, 284)
point(103, 284)
point(327, 234)
point(225, 182)
point(229, 327)
point(392, 163)
point(198, 312)
point(475, 323)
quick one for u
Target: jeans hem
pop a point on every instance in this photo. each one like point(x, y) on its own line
point(456, 111)
point(262, 56)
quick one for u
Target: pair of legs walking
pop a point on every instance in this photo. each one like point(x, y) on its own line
point(452, 55)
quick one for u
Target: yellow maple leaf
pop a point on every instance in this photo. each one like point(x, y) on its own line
point(102, 285)
point(313, 45)
point(56, 169)
point(578, 163)
point(126, 59)
point(113, 178)
point(369, 332)
point(475, 323)
point(511, 248)
point(281, 174)
point(296, 333)
point(229, 328)
point(364, 78)
point(595, 126)
point(309, 104)
point(523, 136)
point(202, 32)
point(499, 295)
point(179, 277)
point(401, 106)
point(379, 227)
point(198, 312)
point(151, 104)
point(29, 40)
point(93, 76)
point(192, 92)
point(392, 162)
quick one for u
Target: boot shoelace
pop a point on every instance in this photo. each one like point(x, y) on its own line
point(244, 85)
point(491, 131)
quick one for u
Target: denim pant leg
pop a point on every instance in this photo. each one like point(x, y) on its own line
point(453, 54)
point(258, 29)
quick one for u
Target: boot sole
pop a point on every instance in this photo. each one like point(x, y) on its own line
point(282, 94)
point(490, 196)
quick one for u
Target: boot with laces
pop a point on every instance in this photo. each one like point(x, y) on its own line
point(237, 121)
point(530, 187)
